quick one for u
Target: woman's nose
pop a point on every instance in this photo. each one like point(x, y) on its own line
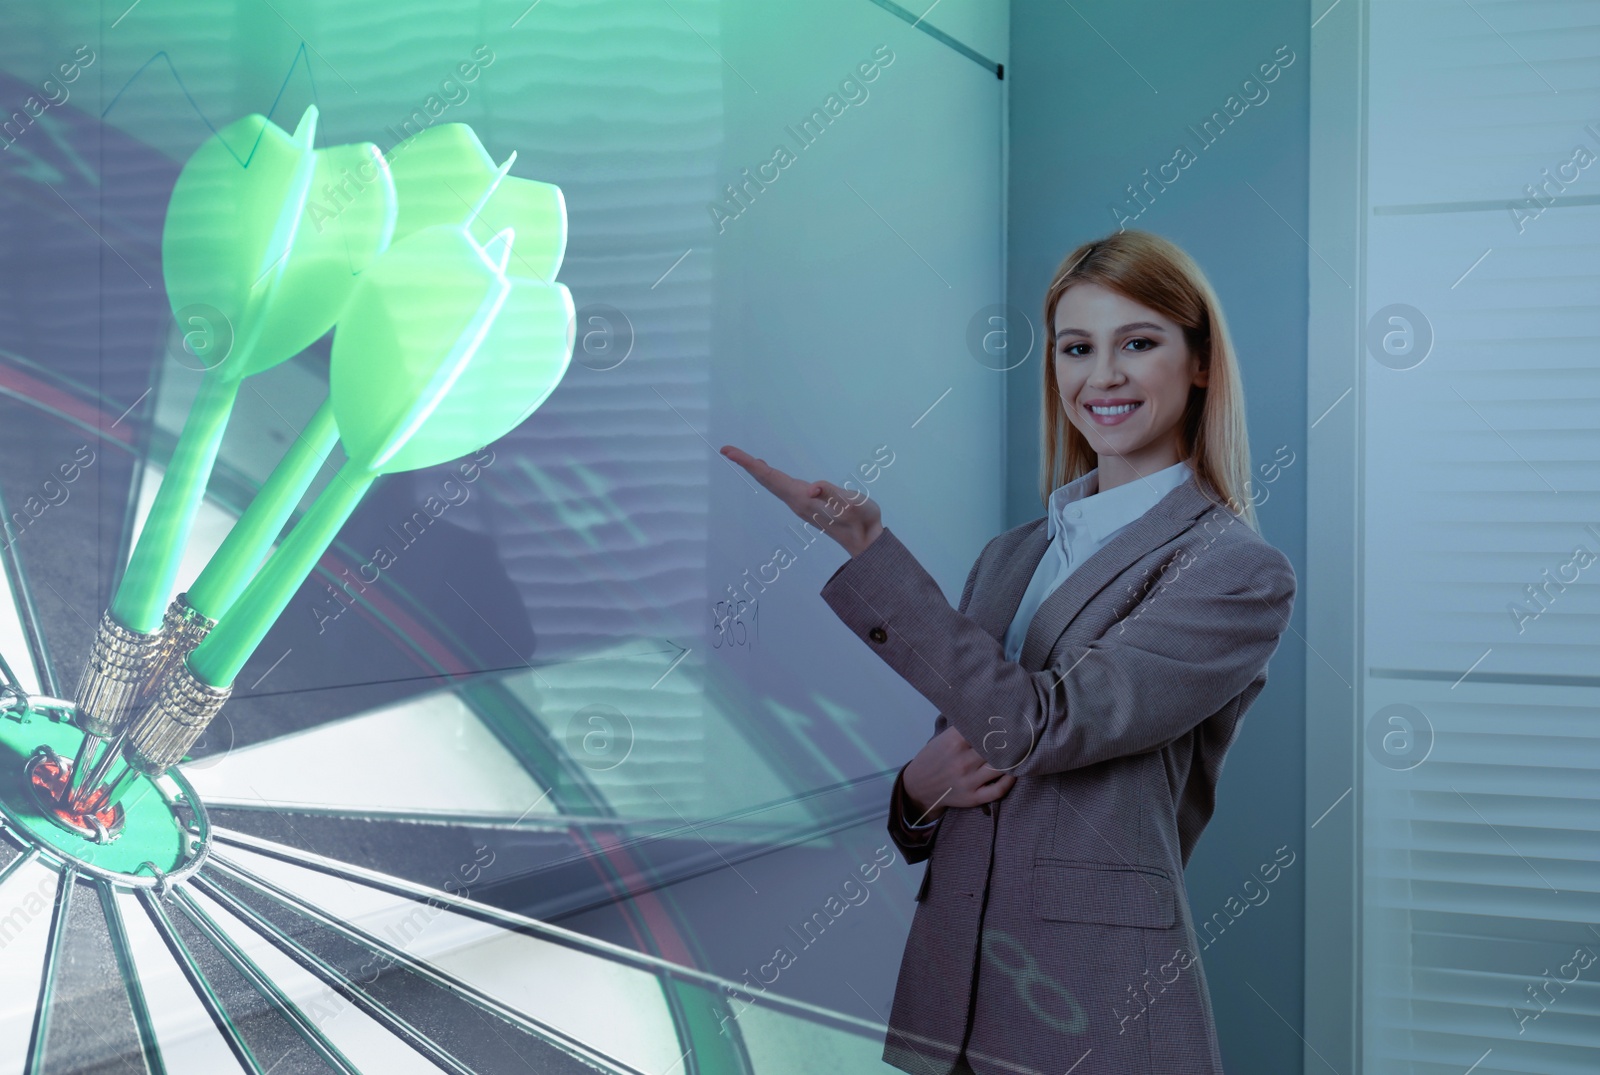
point(1103, 373)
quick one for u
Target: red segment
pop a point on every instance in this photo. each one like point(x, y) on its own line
point(52, 776)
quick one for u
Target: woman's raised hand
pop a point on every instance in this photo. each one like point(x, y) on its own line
point(853, 521)
point(948, 772)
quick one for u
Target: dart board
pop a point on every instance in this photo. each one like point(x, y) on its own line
point(349, 872)
point(499, 787)
point(361, 865)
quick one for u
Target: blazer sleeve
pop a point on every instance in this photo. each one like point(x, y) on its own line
point(913, 844)
point(1187, 649)
point(917, 844)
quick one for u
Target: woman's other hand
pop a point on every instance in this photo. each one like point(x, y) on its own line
point(853, 520)
point(948, 772)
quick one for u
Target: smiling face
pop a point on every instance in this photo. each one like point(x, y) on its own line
point(1124, 372)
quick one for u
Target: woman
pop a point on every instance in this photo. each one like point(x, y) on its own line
point(1089, 684)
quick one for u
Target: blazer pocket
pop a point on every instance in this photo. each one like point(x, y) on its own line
point(1109, 893)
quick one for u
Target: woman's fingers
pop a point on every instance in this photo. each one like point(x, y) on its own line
point(850, 519)
point(973, 762)
point(966, 791)
point(995, 789)
point(804, 498)
point(786, 488)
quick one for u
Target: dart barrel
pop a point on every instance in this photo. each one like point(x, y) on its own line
point(115, 677)
point(179, 714)
point(182, 627)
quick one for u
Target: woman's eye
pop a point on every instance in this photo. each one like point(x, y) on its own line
point(1072, 348)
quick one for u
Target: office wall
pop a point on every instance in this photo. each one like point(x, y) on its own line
point(1103, 93)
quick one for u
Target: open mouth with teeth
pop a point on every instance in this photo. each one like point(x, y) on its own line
point(1111, 414)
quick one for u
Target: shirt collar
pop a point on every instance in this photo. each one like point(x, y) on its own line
point(1105, 513)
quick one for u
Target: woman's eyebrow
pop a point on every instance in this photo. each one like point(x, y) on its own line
point(1124, 328)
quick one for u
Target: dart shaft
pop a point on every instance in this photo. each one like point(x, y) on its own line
point(141, 597)
point(217, 660)
point(230, 568)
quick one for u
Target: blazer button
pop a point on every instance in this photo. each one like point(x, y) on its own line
point(878, 634)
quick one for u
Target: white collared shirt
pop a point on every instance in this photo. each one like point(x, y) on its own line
point(1081, 521)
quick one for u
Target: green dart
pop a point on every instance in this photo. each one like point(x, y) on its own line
point(241, 245)
point(341, 232)
point(439, 351)
point(438, 168)
point(442, 175)
point(229, 222)
point(230, 231)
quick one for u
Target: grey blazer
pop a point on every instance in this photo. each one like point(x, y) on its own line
point(1053, 932)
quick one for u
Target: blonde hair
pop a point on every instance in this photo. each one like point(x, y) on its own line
point(1156, 273)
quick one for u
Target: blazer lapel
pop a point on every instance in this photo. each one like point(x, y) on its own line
point(1169, 517)
point(999, 606)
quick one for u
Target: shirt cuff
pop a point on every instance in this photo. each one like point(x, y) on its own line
point(902, 804)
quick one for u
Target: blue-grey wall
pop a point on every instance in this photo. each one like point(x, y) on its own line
point(1102, 92)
